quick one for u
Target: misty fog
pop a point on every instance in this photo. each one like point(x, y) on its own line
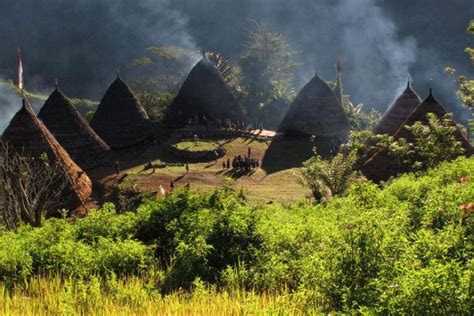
point(380, 43)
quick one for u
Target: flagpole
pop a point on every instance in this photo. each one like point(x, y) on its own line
point(21, 84)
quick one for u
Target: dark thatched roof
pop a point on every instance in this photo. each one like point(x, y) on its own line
point(27, 134)
point(120, 119)
point(204, 94)
point(380, 167)
point(316, 111)
point(71, 130)
point(398, 112)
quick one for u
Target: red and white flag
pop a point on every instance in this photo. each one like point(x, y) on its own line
point(20, 71)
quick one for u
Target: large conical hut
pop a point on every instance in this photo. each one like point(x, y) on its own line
point(120, 119)
point(398, 112)
point(27, 134)
point(317, 111)
point(204, 97)
point(72, 131)
point(381, 167)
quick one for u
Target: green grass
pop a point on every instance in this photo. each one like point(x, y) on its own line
point(260, 186)
point(196, 145)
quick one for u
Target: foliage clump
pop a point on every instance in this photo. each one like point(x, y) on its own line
point(374, 250)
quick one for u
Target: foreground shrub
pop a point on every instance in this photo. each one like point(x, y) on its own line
point(99, 244)
point(404, 248)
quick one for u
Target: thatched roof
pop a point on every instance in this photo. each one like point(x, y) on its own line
point(120, 119)
point(27, 134)
point(204, 94)
point(316, 111)
point(398, 112)
point(72, 131)
point(380, 167)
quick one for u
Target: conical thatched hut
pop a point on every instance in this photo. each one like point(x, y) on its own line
point(398, 112)
point(27, 134)
point(120, 119)
point(316, 111)
point(71, 130)
point(204, 96)
point(381, 167)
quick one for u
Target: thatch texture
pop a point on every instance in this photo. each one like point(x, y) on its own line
point(120, 119)
point(205, 96)
point(72, 131)
point(380, 167)
point(27, 134)
point(316, 111)
point(398, 112)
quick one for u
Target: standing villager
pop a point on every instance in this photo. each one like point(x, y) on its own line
point(117, 167)
point(172, 185)
point(223, 165)
point(249, 151)
point(187, 168)
point(228, 163)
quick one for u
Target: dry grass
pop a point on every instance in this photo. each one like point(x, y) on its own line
point(133, 296)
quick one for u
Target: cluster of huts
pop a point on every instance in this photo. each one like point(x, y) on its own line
point(67, 138)
point(120, 122)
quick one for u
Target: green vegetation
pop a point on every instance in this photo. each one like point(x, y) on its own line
point(267, 67)
point(466, 85)
point(329, 177)
point(373, 250)
point(359, 119)
point(431, 144)
point(84, 106)
point(196, 145)
point(161, 69)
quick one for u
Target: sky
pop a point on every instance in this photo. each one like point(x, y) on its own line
point(380, 43)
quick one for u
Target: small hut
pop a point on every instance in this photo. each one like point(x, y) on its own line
point(317, 111)
point(72, 131)
point(398, 112)
point(27, 134)
point(120, 119)
point(380, 167)
point(204, 97)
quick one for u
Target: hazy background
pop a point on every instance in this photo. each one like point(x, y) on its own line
point(84, 42)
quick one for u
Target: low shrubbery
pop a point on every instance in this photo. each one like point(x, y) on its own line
point(404, 248)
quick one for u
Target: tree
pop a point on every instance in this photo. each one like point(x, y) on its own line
point(154, 103)
point(430, 144)
point(266, 66)
point(329, 177)
point(30, 187)
point(434, 142)
point(162, 69)
point(358, 118)
point(226, 70)
point(466, 85)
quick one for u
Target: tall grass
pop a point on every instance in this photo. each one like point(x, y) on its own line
point(133, 296)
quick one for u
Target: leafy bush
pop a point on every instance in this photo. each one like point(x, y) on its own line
point(406, 248)
point(198, 236)
point(98, 244)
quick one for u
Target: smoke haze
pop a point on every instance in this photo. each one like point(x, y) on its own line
point(84, 42)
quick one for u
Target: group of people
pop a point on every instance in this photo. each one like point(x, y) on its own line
point(243, 163)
